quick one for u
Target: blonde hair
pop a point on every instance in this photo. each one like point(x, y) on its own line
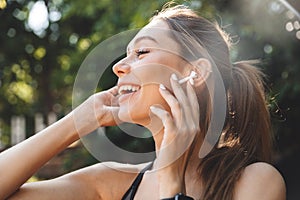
point(246, 136)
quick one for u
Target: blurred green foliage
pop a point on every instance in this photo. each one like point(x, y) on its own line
point(38, 68)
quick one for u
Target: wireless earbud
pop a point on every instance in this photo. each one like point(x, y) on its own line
point(189, 78)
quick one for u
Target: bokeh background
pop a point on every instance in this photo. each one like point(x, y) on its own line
point(43, 43)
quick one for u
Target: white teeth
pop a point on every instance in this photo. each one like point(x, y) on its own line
point(127, 89)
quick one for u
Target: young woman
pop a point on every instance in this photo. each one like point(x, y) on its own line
point(178, 112)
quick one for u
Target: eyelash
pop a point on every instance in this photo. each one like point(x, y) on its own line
point(140, 52)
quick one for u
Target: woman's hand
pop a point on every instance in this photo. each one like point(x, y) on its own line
point(100, 109)
point(15, 169)
point(180, 128)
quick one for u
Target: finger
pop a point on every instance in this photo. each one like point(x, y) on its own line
point(193, 102)
point(113, 90)
point(115, 101)
point(172, 102)
point(110, 96)
point(115, 97)
point(181, 97)
point(111, 116)
point(164, 116)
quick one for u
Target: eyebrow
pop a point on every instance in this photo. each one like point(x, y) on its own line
point(143, 38)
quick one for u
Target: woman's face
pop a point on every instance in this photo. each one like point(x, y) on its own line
point(152, 56)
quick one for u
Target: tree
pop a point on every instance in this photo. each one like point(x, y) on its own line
point(38, 66)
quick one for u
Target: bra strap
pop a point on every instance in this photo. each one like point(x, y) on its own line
point(129, 195)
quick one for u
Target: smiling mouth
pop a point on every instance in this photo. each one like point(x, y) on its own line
point(127, 89)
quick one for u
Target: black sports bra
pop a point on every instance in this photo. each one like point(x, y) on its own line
point(129, 195)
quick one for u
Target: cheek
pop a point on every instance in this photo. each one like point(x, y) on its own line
point(151, 96)
point(153, 74)
point(137, 109)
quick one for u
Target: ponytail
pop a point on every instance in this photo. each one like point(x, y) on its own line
point(246, 136)
point(252, 121)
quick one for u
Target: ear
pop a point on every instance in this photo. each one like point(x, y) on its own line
point(203, 68)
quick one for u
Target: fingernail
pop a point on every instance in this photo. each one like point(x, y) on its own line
point(152, 108)
point(192, 81)
point(161, 86)
point(174, 77)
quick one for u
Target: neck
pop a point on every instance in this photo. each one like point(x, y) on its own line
point(157, 131)
point(192, 179)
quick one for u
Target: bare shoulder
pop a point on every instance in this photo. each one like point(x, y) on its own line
point(260, 181)
point(110, 179)
point(101, 181)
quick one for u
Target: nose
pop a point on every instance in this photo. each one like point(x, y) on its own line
point(121, 68)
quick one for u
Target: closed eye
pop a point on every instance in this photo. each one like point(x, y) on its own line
point(140, 52)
